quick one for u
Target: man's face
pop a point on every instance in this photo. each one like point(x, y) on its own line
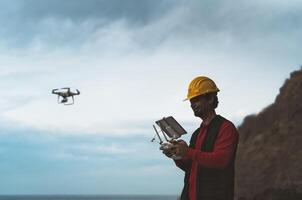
point(200, 105)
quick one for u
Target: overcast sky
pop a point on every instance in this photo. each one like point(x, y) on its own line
point(132, 60)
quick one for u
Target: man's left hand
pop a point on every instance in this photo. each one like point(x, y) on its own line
point(181, 148)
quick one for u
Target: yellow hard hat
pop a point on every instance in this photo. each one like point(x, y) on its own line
point(201, 85)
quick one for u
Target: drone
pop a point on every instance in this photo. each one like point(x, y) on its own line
point(63, 96)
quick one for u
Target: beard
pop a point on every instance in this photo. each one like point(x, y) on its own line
point(198, 112)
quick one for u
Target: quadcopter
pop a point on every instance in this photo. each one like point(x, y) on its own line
point(64, 95)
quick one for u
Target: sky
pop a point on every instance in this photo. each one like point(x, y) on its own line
point(132, 60)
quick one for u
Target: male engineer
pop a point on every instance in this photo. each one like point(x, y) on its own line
point(208, 161)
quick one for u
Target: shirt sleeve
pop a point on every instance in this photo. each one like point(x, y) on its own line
point(224, 148)
point(183, 163)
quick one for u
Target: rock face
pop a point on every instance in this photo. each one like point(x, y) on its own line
point(269, 155)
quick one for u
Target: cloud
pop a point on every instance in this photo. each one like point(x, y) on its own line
point(67, 23)
point(90, 148)
point(74, 24)
point(36, 162)
point(78, 10)
point(131, 74)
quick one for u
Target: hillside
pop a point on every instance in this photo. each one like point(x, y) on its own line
point(269, 156)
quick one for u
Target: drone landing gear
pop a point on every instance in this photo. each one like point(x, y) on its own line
point(64, 100)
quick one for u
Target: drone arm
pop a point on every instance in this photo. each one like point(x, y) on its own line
point(54, 91)
point(73, 93)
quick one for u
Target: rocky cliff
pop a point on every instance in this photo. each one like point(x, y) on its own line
point(269, 156)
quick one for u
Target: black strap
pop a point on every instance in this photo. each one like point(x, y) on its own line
point(211, 134)
point(194, 138)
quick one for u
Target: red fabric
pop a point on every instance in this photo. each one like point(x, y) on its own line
point(223, 151)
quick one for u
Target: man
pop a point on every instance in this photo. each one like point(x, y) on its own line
point(209, 159)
